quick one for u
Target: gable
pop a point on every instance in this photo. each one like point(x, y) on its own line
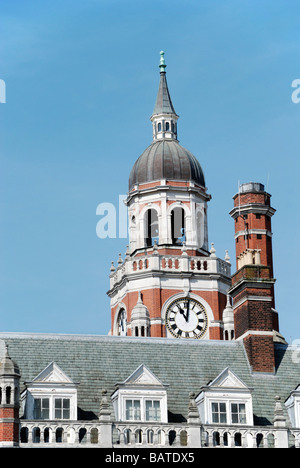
point(143, 376)
point(52, 373)
point(228, 379)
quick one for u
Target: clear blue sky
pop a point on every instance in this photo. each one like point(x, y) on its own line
point(81, 80)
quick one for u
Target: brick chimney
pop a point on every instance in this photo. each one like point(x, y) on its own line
point(252, 291)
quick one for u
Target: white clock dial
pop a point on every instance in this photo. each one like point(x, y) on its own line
point(186, 318)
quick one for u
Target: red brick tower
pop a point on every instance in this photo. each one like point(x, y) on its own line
point(9, 402)
point(255, 318)
point(171, 283)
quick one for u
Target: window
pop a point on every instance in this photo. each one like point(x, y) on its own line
point(151, 233)
point(133, 410)
point(167, 126)
point(159, 127)
point(135, 402)
point(238, 413)
point(258, 236)
point(178, 226)
point(41, 408)
point(152, 410)
point(62, 408)
point(219, 413)
point(220, 410)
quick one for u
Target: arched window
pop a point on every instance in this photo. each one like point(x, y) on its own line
point(24, 435)
point(8, 395)
point(151, 225)
point(59, 435)
point(122, 325)
point(36, 435)
point(178, 226)
point(138, 436)
point(82, 435)
point(159, 127)
point(94, 435)
point(150, 436)
point(167, 126)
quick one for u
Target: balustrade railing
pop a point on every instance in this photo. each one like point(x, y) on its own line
point(121, 434)
point(173, 263)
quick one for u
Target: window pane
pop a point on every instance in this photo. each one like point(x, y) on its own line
point(41, 408)
point(242, 408)
point(234, 408)
point(57, 403)
point(219, 413)
point(152, 410)
point(129, 409)
point(222, 408)
point(238, 413)
point(133, 410)
point(137, 410)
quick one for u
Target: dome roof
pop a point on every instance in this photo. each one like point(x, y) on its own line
point(166, 159)
point(8, 366)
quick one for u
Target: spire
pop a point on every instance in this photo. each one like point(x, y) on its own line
point(163, 104)
point(164, 117)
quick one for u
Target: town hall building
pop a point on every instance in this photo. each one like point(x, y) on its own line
point(194, 357)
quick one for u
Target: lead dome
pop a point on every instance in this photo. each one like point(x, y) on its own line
point(165, 158)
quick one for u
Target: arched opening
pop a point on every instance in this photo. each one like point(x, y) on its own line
point(94, 435)
point(238, 439)
point(59, 435)
point(122, 327)
point(138, 436)
point(47, 435)
point(151, 227)
point(8, 395)
point(36, 435)
point(183, 438)
point(178, 226)
point(150, 436)
point(82, 435)
point(24, 435)
point(172, 437)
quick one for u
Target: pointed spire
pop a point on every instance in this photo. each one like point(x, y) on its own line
point(163, 104)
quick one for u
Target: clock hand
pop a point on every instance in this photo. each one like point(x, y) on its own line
point(187, 311)
point(182, 312)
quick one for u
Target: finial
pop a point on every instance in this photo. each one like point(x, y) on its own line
point(162, 63)
point(213, 250)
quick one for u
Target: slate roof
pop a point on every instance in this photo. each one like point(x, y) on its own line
point(99, 362)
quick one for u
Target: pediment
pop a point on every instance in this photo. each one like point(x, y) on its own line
point(52, 373)
point(228, 379)
point(143, 376)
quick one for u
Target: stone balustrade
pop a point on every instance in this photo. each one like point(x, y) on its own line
point(169, 263)
point(125, 435)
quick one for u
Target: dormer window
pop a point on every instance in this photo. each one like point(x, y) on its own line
point(52, 395)
point(293, 407)
point(141, 397)
point(226, 400)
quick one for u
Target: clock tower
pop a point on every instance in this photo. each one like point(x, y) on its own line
point(171, 282)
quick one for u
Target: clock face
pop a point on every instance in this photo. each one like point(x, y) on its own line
point(186, 318)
